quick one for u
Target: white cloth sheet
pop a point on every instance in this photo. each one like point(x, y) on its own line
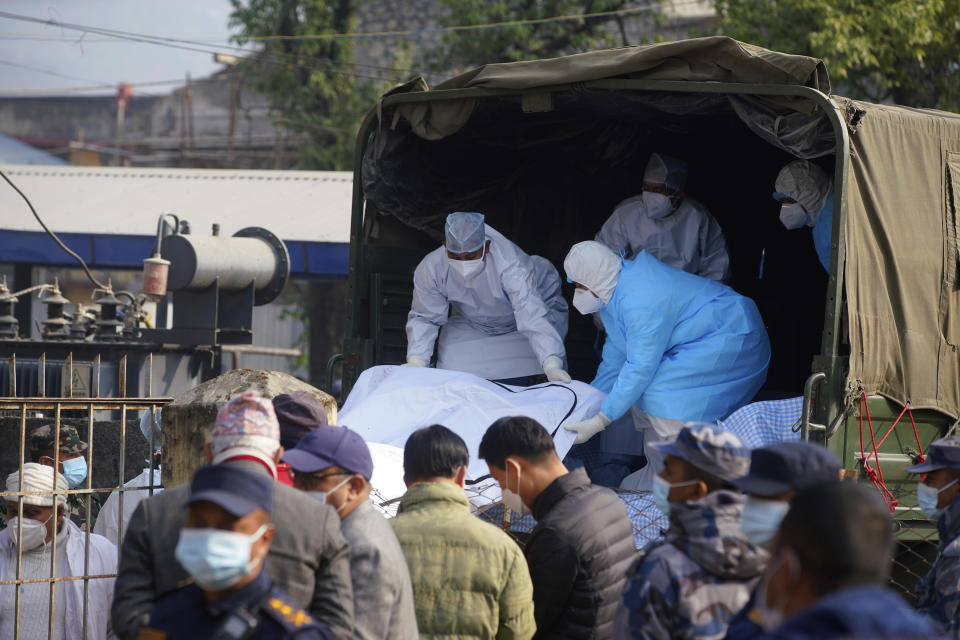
point(389, 403)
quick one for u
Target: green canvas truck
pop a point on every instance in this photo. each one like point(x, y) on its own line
point(547, 148)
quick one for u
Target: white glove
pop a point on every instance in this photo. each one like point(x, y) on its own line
point(553, 367)
point(588, 428)
point(414, 361)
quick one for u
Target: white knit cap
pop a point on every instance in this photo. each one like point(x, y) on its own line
point(38, 477)
point(594, 266)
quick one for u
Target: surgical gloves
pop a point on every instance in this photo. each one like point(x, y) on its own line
point(588, 428)
point(414, 361)
point(553, 368)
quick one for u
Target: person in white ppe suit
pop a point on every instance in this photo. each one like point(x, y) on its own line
point(668, 224)
point(679, 348)
point(112, 520)
point(498, 311)
point(805, 194)
point(30, 542)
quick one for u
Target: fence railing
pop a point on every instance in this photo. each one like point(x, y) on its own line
point(54, 569)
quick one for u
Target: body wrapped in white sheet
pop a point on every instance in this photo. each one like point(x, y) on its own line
point(389, 403)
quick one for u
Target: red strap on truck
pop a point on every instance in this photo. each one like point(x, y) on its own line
point(876, 474)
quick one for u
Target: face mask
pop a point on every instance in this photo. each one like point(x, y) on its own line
point(761, 519)
point(34, 532)
point(658, 205)
point(661, 492)
point(585, 302)
point(928, 497)
point(75, 471)
point(217, 559)
point(512, 500)
point(341, 507)
point(466, 268)
point(319, 496)
point(793, 216)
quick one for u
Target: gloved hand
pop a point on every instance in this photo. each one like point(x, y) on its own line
point(588, 428)
point(553, 367)
point(414, 361)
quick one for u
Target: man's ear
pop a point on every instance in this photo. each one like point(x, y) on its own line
point(461, 477)
point(279, 455)
point(357, 483)
point(486, 247)
point(702, 489)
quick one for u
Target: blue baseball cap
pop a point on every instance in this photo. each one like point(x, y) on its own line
point(331, 446)
point(941, 454)
point(711, 449)
point(789, 465)
point(237, 491)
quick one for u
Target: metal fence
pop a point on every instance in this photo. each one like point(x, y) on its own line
point(52, 576)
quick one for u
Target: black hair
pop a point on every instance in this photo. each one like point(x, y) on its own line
point(433, 452)
point(515, 436)
point(842, 534)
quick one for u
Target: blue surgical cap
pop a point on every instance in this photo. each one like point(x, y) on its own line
point(464, 232)
point(666, 170)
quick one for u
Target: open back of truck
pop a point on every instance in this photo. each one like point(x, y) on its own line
point(547, 148)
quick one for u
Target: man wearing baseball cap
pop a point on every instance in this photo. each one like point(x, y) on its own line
point(223, 544)
point(71, 462)
point(333, 465)
point(308, 558)
point(777, 472)
point(938, 496)
point(689, 584)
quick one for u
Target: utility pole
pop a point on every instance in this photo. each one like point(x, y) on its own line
point(124, 92)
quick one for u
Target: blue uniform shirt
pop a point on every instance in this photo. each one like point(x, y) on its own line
point(186, 614)
point(823, 231)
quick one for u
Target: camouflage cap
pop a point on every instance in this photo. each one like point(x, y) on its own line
point(710, 448)
point(941, 454)
point(43, 438)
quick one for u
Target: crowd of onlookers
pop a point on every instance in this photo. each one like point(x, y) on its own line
point(767, 543)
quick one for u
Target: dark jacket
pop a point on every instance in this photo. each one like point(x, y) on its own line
point(578, 554)
point(186, 614)
point(862, 612)
point(309, 559)
point(939, 591)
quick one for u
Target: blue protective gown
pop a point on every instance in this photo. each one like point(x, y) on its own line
point(679, 346)
point(823, 231)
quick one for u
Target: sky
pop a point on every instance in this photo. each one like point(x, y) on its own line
point(52, 51)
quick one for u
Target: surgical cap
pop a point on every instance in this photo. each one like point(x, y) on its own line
point(464, 232)
point(38, 477)
point(594, 266)
point(666, 170)
point(806, 183)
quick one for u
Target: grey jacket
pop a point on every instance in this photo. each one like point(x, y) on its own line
point(382, 595)
point(308, 559)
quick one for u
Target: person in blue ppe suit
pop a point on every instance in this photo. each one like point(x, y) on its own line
point(827, 576)
point(805, 194)
point(679, 348)
point(777, 473)
point(500, 310)
point(666, 222)
point(938, 496)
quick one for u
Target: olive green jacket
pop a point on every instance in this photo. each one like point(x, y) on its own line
point(470, 579)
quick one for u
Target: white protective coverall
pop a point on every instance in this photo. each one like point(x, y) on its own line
point(685, 236)
point(110, 517)
point(502, 322)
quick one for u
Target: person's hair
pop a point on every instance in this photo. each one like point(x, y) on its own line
point(515, 436)
point(433, 452)
point(713, 482)
point(842, 535)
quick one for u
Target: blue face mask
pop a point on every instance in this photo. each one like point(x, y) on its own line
point(929, 497)
point(75, 471)
point(761, 519)
point(216, 559)
point(661, 492)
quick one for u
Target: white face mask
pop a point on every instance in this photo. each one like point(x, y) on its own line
point(341, 507)
point(658, 205)
point(34, 532)
point(761, 519)
point(793, 215)
point(585, 302)
point(466, 268)
point(512, 500)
